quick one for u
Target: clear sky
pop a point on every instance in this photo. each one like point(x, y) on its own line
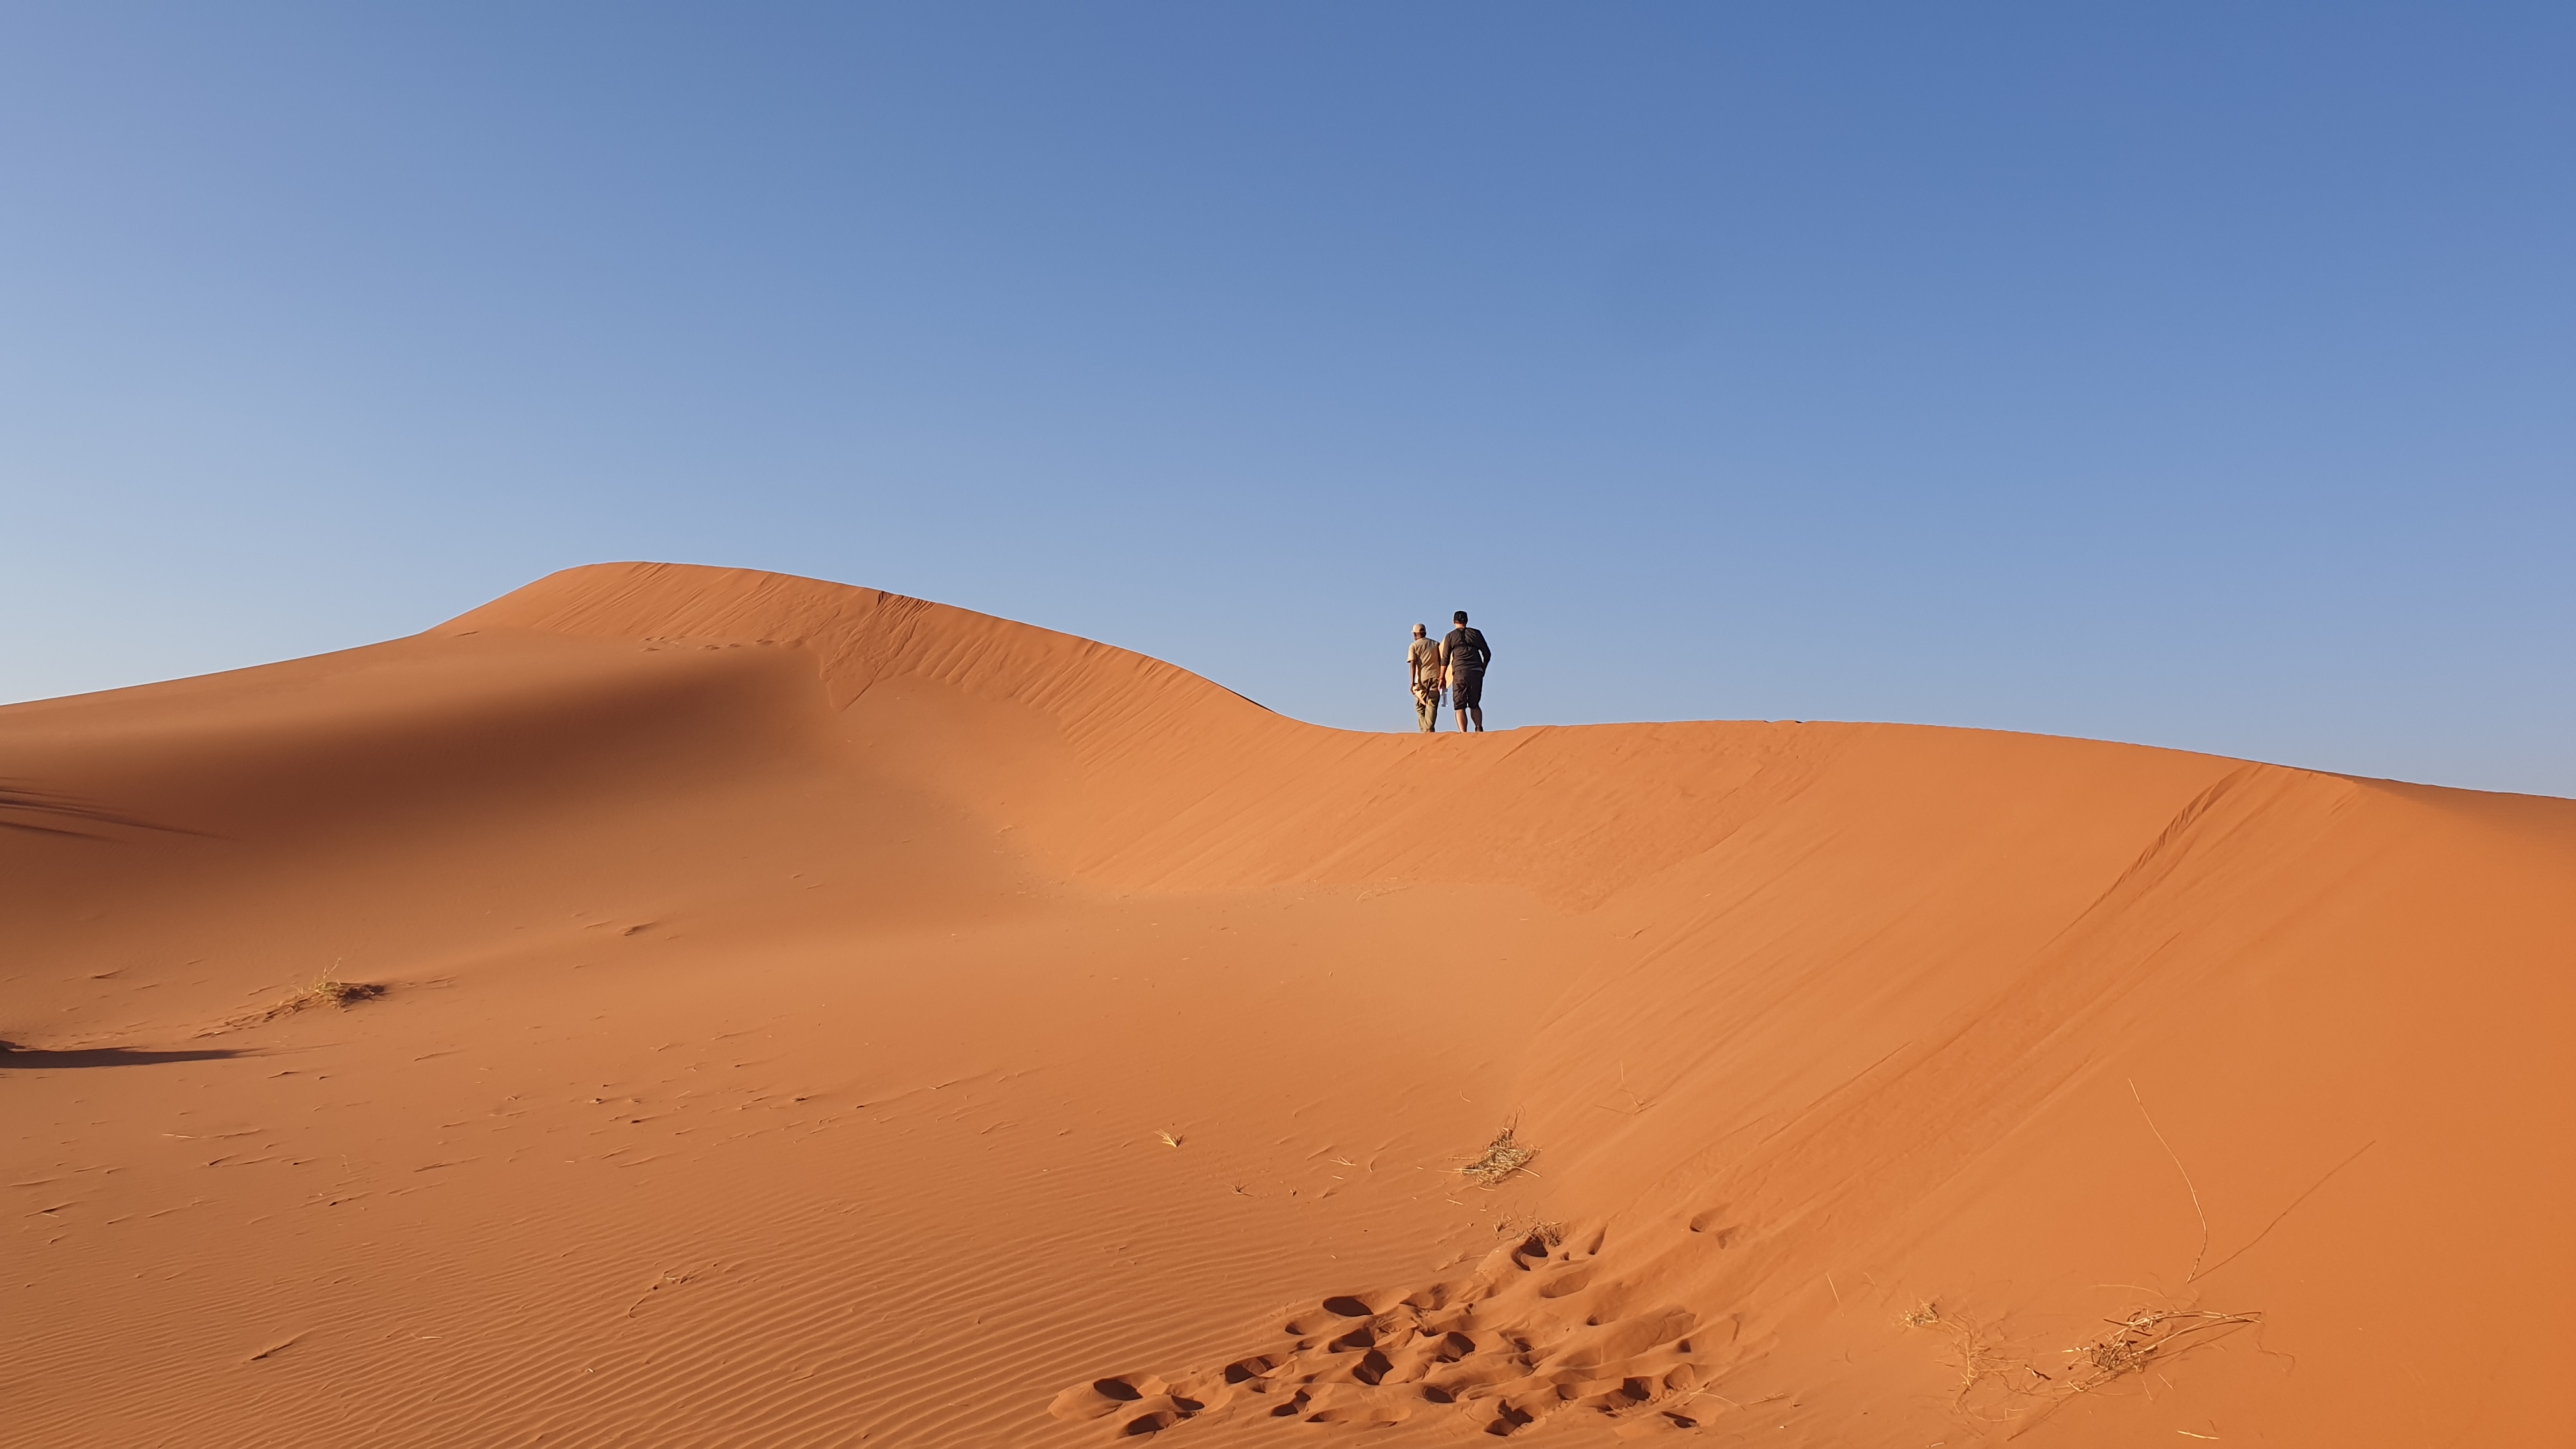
point(2198, 375)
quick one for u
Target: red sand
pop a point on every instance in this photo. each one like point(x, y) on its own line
point(788, 987)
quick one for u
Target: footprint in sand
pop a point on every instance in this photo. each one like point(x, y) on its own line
point(1534, 1330)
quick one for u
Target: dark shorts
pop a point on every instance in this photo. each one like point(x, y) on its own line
point(1467, 689)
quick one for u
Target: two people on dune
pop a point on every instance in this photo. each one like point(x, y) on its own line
point(1457, 663)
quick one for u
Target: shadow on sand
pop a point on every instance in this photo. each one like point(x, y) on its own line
point(15, 1057)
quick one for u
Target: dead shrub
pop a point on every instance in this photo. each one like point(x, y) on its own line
point(2147, 1337)
point(329, 991)
point(1502, 1157)
point(1997, 1383)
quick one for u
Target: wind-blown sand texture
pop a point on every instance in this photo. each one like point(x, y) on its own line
point(683, 1006)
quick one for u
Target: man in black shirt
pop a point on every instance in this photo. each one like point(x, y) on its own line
point(1467, 655)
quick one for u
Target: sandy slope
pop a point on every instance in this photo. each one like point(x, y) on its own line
point(787, 985)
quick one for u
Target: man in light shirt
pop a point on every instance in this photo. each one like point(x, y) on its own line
point(1423, 658)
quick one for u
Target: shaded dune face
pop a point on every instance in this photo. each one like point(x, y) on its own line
point(675, 1005)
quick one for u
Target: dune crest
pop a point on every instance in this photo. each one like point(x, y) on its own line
point(687, 1005)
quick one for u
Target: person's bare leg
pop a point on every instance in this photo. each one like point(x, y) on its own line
point(1478, 711)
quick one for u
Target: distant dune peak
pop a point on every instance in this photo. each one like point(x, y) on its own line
point(858, 635)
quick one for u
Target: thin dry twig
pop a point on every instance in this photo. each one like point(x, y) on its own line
point(2293, 1207)
point(2186, 1181)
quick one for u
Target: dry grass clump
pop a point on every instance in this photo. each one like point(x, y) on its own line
point(1997, 1383)
point(330, 991)
point(1981, 1355)
point(2147, 1337)
point(1502, 1157)
point(1547, 1233)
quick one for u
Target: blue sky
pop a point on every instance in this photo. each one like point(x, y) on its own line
point(2198, 375)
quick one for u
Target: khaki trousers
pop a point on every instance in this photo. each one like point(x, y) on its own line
point(1426, 709)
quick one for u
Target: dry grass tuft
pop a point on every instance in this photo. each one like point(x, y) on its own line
point(1981, 1355)
point(1547, 1233)
point(1167, 1139)
point(1997, 1384)
point(1502, 1157)
point(328, 991)
point(331, 991)
point(2147, 1337)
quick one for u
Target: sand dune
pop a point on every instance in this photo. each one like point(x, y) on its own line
point(815, 1016)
